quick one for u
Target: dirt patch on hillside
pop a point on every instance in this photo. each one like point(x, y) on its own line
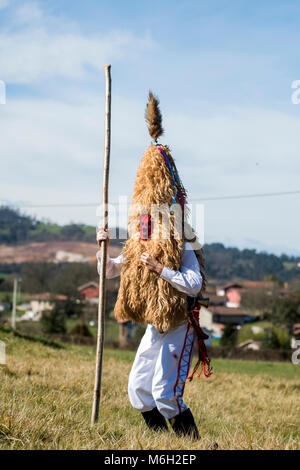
point(55, 251)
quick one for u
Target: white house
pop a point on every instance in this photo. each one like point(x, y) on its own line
point(40, 303)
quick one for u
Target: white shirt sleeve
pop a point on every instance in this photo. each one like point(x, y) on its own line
point(188, 279)
point(113, 265)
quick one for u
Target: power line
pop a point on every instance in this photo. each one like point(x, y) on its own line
point(244, 196)
point(210, 198)
point(33, 206)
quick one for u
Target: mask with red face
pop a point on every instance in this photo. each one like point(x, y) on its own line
point(146, 227)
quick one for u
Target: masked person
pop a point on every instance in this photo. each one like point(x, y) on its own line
point(162, 280)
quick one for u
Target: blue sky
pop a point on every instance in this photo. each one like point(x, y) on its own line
point(223, 72)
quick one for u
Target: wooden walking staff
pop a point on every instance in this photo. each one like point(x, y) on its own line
point(103, 251)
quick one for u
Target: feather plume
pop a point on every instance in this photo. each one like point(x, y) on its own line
point(153, 117)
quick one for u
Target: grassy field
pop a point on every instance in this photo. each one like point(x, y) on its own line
point(46, 396)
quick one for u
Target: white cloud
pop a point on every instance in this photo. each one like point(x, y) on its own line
point(52, 153)
point(4, 4)
point(29, 13)
point(242, 149)
point(52, 150)
point(54, 147)
point(37, 46)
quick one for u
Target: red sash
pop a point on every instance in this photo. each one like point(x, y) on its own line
point(203, 359)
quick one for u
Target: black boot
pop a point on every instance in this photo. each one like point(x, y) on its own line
point(184, 425)
point(155, 420)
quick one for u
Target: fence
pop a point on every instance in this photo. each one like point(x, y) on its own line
point(273, 355)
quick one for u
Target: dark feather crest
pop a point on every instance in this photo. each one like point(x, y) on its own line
point(153, 117)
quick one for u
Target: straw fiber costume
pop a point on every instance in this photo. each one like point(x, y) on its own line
point(168, 302)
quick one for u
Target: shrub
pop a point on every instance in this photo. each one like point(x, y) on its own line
point(270, 339)
point(286, 311)
point(284, 338)
point(80, 329)
point(276, 338)
point(229, 337)
point(53, 321)
point(246, 333)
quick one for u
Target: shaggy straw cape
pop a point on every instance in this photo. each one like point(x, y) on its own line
point(144, 297)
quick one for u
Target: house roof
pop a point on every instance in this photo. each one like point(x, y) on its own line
point(111, 285)
point(230, 311)
point(93, 284)
point(210, 289)
point(47, 296)
point(249, 341)
point(262, 284)
point(296, 329)
point(219, 325)
point(217, 299)
point(231, 285)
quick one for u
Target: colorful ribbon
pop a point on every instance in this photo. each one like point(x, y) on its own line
point(175, 177)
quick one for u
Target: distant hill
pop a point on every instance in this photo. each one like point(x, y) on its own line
point(234, 264)
point(52, 252)
point(76, 242)
point(16, 228)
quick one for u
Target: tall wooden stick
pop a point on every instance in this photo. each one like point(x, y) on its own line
point(103, 251)
point(13, 316)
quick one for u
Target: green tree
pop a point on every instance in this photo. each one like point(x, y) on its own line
point(229, 337)
point(286, 311)
point(270, 339)
point(71, 275)
point(273, 278)
point(54, 321)
point(276, 338)
point(14, 227)
point(260, 298)
point(81, 329)
point(37, 276)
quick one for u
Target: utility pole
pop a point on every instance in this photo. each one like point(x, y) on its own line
point(14, 307)
point(19, 290)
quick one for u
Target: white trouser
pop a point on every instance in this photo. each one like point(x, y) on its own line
point(160, 370)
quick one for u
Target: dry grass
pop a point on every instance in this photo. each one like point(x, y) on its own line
point(46, 397)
